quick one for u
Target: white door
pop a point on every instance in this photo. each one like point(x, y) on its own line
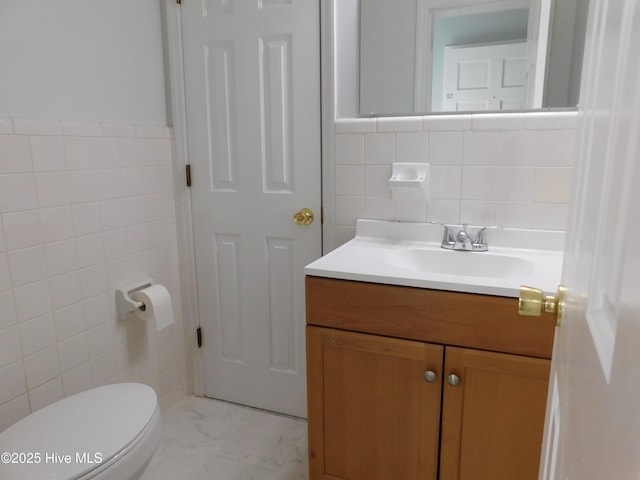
point(485, 77)
point(252, 72)
point(593, 414)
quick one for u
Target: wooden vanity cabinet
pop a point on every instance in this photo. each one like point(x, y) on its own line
point(380, 403)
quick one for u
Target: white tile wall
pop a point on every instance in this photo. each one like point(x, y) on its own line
point(511, 169)
point(84, 208)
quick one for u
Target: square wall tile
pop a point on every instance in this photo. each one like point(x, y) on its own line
point(103, 368)
point(77, 380)
point(61, 257)
point(444, 211)
point(412, 147)
point(90, 250)
point(79, 153)
point(13, 384)
point(32, 300)
point(445, 148)
point(515, 184)
point(379, 148)
point(48, 153)
point(481, 148)
point(129, 152)
point(477, 212)
point(556, 148)
point(409, 211)
point(83, 186)
point(156, 152)
point(105, 151)
point(17, 192)
point(514, 214)
point(479, 183)
point(68, 321)
point(41, 367)
point(28, 265)
point(376, 179)
point(446, 182)
point(93, 280)
point(376, 208)
point(348, 210)
point(73, 352)
point(65, 289)
point(349, 180)
point(37, 334)
point(15, 154)
point(52, 189)
point(553, 185)
point(86, 218)
point(518, 147)
point(8, 315)
point(22, 229)
point(5, 272)
point(349, 149)
point(57, 223)
point(549, 216)
point(10, 351)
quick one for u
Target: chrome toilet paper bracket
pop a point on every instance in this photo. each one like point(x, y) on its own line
point(125, 304)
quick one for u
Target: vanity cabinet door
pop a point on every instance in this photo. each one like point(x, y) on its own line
point(372, 414)
point(492, 420)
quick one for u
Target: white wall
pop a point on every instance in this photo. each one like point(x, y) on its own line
point(82, 60)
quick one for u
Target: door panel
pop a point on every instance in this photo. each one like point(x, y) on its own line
point(385, 418)
point(251, 68)
point(488, 77)
point(499, 403)
point(592, 414)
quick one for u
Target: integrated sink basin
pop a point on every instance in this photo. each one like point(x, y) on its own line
point(409, 254)
point(467, 264)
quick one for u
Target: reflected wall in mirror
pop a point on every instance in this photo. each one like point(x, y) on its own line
point(421, 56)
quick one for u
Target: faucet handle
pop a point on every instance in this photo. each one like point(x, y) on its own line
point(447, 236)
point(480, 235)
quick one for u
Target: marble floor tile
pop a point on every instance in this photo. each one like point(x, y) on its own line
point(209, 439)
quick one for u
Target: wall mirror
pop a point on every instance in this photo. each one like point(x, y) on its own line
point(422, 56)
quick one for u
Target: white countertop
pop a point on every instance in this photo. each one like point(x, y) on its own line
point(369, 257)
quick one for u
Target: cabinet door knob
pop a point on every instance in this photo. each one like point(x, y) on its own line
point(453, 380)
point(430, 376)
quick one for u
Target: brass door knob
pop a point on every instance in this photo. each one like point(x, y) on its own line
point(304, 216)
point(533, 301)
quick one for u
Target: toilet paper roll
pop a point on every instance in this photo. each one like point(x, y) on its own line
point(157, 301)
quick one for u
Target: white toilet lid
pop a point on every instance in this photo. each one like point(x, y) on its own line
point(89, 426)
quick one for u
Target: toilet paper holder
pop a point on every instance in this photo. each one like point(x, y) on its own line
point(125, 304)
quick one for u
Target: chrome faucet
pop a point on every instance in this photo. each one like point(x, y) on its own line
point(462, 240)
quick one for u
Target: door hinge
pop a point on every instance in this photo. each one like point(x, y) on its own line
point(321, 215)
point(187, 172)
point(179, 2)
point(199, 336)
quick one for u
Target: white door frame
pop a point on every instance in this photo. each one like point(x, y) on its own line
point(177, 119)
